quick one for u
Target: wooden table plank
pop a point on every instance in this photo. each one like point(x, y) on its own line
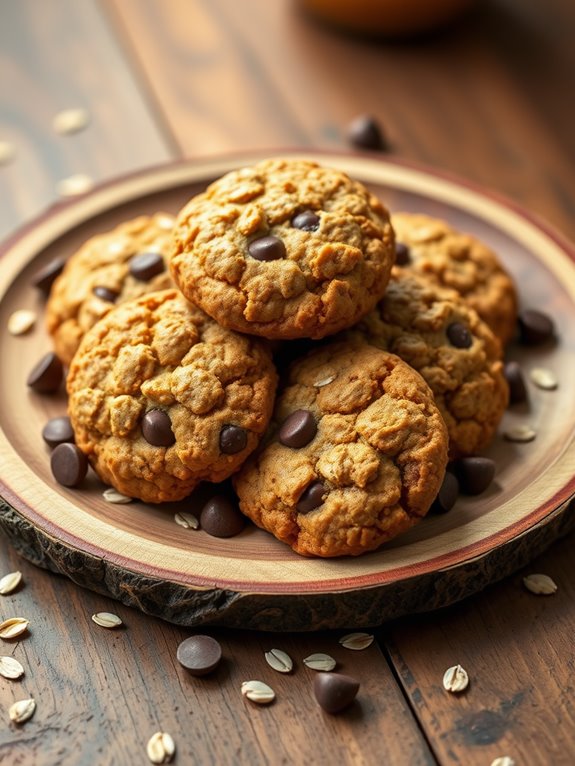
point(55, 57)
point(101, 694)
point(518, 651)
point(485, 100)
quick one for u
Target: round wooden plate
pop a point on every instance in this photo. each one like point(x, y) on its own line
point(139, 555)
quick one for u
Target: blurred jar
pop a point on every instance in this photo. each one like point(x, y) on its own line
point(386, 18)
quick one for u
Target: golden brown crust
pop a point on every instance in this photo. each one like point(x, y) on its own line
point(161, 353)
point(412, 321)
point(464, 264)
point(327, 279)
point(104, 261)
point(380, 451)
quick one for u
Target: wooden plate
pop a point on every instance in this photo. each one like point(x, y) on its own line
point(139, 555)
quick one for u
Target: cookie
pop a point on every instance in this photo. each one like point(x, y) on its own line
point(356, 454)
point(461, 262)
point(107, 270)
point(284, 249)
point(161, 397)
point(439, 335)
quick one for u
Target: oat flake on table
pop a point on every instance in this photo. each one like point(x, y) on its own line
point(10, 582)
point(161, 747)
point(455, 679)
point(540, 584)
point(107, 620)
point(258, 692)
point(70, 121)
point(10, 668)
point(74, 185)
point(13, 627)
point(20, 321)
point(279, 660)
point(356, 641)
point(22, 710)
point(320, 662)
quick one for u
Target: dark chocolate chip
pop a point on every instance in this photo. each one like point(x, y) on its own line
point(401, 254)
point(233, 439)
point(45, 278)
point(157, 428)
point(221, 518)
point(58, 431)
point(516, 381)
point(311, 497)
point(46, 375)
point(459, 336)
point(105, 294)
point(145, 266)
point(200, 655)
point(447, 494)
point(364, 132)
point(307, 220)
point(268, 248)
point(475, 474)
point(298, 429)
point(334, 691)
point(69, 465)
point(535, 327)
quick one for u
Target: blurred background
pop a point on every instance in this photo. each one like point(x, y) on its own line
point(481, 89)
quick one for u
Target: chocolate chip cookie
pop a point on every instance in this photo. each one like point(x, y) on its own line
point(161, 397)
point(431, 247)
point(439, 335)
point(108, 269)
point(284, 249)
point(356, 454)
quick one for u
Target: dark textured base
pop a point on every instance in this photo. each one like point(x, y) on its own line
point(183, 605)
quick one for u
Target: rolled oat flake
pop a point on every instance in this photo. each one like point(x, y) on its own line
point(22, 710)
point(356, 641)
point(503, 760)
point(540, 584)
point(279, 660)
point(455, 679)
point(10, 582)
point(258, 692)
point(107, 620)
point(161, 747)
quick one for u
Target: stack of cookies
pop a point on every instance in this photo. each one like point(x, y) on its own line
point(174, 329)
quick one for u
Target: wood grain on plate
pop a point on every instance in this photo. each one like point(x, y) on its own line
point(138, 554)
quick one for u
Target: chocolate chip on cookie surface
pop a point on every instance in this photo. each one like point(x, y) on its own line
point(161, 397)
point(439, 335)
point(349, 463)
point(284, 249)
point(431, 247)
point(107, 270)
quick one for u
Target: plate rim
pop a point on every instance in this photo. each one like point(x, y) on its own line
point(195, 167)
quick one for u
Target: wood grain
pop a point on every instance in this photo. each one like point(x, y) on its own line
point(485, 99)
point(101, 694)
point(57, 58)
point(518, 651)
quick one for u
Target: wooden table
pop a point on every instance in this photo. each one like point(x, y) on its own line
point(491, 100)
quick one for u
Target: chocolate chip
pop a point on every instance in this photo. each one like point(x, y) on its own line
point(267, 248)
point(311, 497)
point(69, 465)
point(475, 473)
point(516, 382)
point(105, 294)
point(200, 655)
point(45, 278)
point(447, 494)
point(221, 518)
point(233, 439)
point(157, 428)
point(58, 431)
point(298, 429)
point(144, 266)
point(307, 220)
point(46, 375)
point(364, 132)
point(535, 327)
point(334, 691)
point(402, 257)
point(459, 336)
